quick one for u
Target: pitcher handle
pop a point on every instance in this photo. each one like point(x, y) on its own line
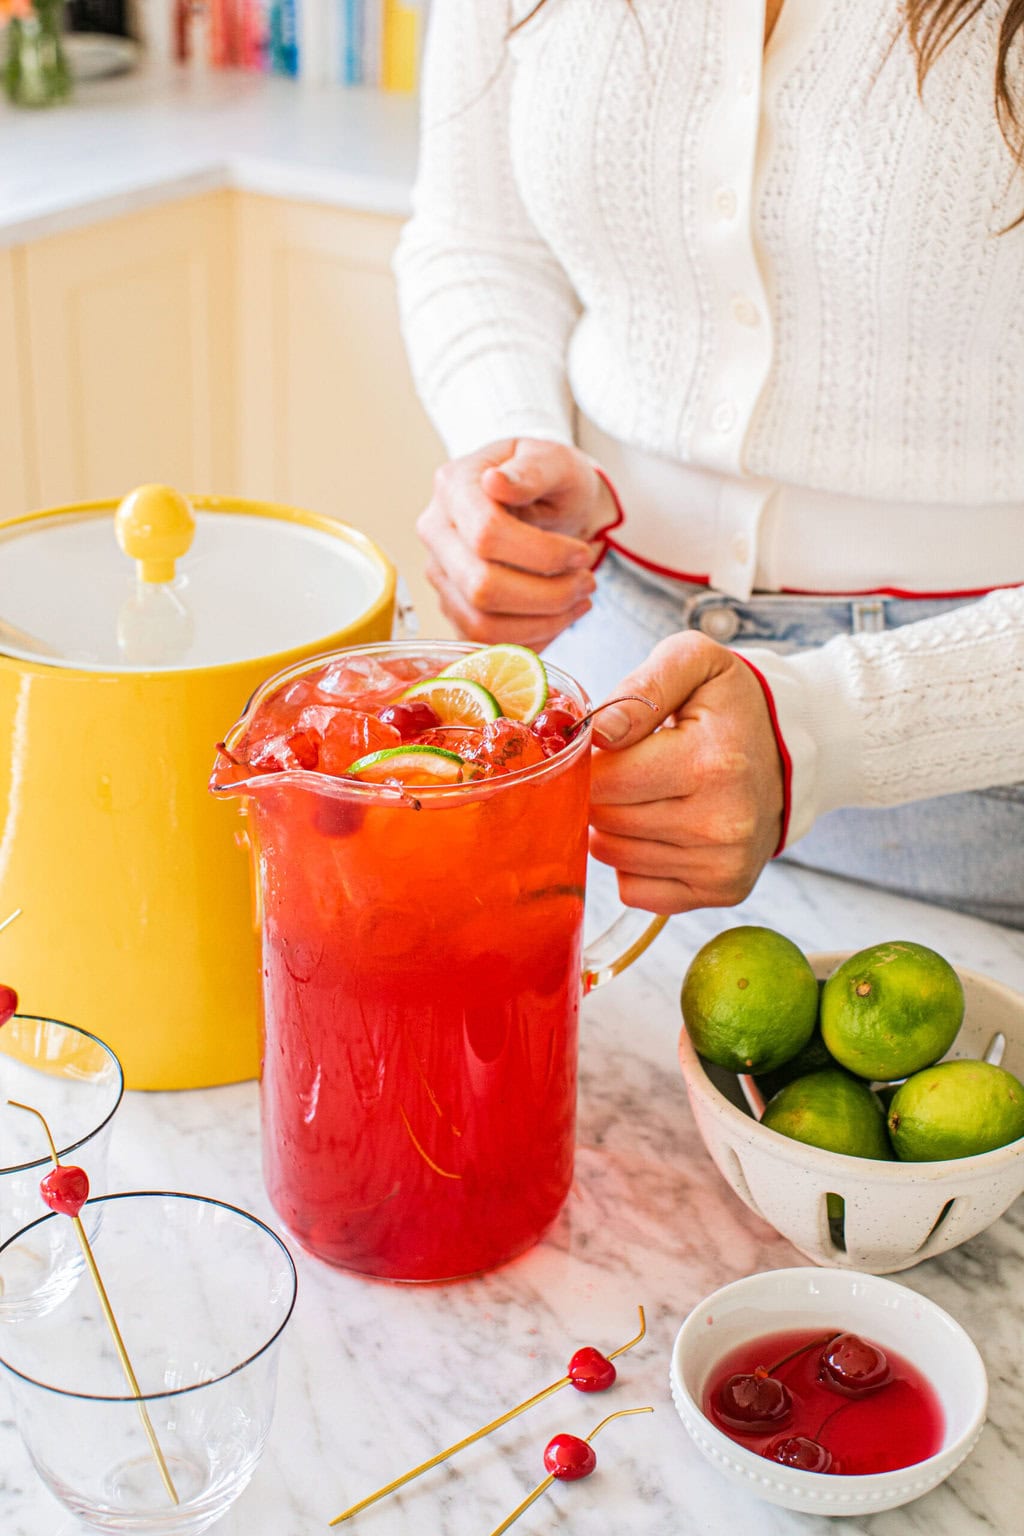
point(625, 941)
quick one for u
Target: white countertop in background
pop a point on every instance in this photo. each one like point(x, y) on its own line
point(376, 1377)
point(164, 132)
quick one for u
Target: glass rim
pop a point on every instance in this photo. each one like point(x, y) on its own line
point(341, 788)
point(195, 1386)
point(72, 1146)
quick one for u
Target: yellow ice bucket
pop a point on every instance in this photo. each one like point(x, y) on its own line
point(129, 633)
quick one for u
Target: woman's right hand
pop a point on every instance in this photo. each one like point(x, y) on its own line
point(512, 532)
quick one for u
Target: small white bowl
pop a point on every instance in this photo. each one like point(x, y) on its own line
point(881, 1310)
point(896, 1214)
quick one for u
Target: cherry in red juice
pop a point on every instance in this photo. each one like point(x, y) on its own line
point(825, 1401)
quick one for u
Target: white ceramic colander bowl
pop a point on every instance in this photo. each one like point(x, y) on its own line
point(891, 1315)
point(895, 1214)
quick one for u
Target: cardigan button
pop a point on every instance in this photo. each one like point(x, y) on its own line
point(723, 417)
point(724, 203)
point(745, 311)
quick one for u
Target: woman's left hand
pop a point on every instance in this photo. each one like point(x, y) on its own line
point(690, 814)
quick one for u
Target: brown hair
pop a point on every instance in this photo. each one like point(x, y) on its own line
point(931, 26)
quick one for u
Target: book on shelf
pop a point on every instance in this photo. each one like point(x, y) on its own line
point(376, 43)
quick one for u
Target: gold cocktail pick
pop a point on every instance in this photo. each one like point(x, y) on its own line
point(68, 1201)
point(570, 1473)
point(479, 1434)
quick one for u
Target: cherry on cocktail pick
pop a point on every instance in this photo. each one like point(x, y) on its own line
point(592, 1356)
point(567, 1458)
point(8, 1003)
point(65, 1190)
point(590, 1371)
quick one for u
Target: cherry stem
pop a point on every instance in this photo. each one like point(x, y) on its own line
point(627, 698)
point(9, 919)
point(829, 1417)
point(479, 1434)
point(814, 1344)
point(623, 1413)
point(108, 1313)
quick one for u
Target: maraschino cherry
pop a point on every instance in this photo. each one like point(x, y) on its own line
point(753, 1403)
point(569, 1458)
point(8, 1003)
point(409, 717)
point(800, 1451)
point(590, 1371)
point(65, 1189)
point(853, 1366)
point(557, 724)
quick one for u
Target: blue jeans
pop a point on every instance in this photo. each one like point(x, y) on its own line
point(964, 851)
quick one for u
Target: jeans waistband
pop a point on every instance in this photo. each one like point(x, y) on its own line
point(797, 620)
point(780, 618)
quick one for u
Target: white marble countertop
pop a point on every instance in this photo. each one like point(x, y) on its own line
point(165, 132)
point(375, 1378)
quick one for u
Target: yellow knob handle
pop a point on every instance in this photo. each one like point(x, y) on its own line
point(155, 525)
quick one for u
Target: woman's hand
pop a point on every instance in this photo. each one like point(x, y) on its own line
point(512, 532)
point(688, 815)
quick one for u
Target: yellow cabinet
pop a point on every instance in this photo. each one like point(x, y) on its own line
point(128, 327)
point(17, 479)
point(327, 414)
point(227, 343)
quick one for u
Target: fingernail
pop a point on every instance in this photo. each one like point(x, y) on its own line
point(581, 562)
point(510, 472)
point(612, 724)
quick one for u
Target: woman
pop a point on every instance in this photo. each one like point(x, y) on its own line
point(725, 298)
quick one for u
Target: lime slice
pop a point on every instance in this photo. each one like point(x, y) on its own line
point(512, 673)
point(409, 765)
point(456, 701)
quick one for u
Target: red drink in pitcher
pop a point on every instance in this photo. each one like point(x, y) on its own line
point(420, 861)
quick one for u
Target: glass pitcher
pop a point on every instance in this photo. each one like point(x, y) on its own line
point(423, 966)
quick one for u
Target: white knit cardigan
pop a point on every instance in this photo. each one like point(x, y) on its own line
point(782, 268)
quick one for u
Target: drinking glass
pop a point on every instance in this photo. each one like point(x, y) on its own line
point(76, 1081)
point(201, 1293)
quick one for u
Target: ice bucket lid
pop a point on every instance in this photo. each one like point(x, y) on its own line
point(158, 582)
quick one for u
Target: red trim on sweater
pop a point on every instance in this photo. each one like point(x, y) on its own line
point(619, 518)
point(787, 761)
point(659, 570)
point(899, 592)
point(705, 581)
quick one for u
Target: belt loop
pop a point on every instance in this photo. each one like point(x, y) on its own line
point(868, 616)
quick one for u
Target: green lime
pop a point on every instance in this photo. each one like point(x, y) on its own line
point(749, 999)
point(514, 675)
point(456, 701)
point(830, 1109)
point(422, 766)
point(815, 1056)
point(956, 1109)
point(890, 1010)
